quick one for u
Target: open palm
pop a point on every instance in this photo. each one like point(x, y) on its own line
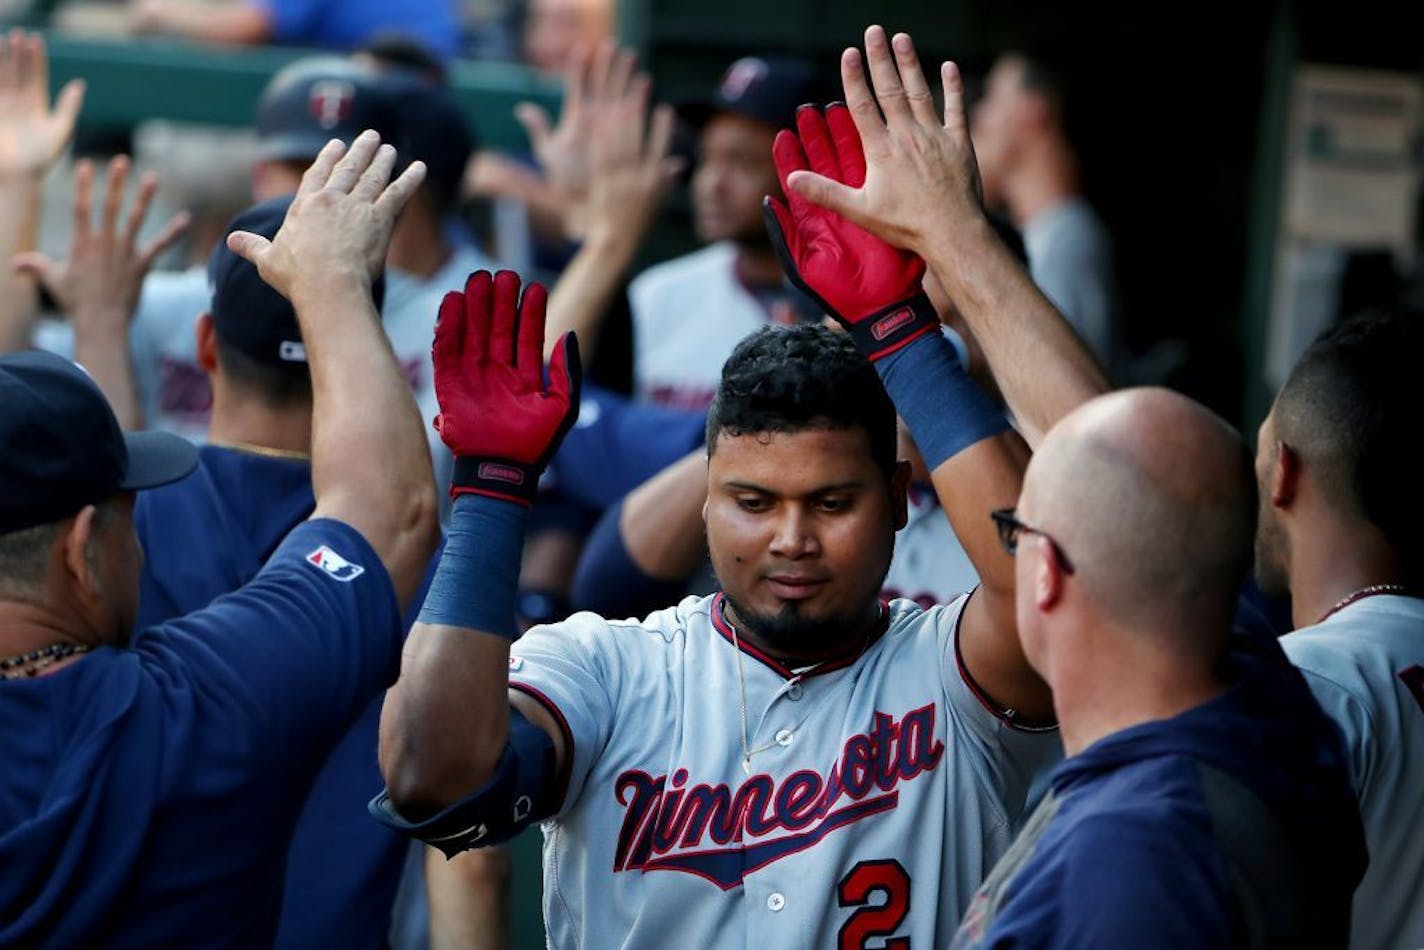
point(32, 134)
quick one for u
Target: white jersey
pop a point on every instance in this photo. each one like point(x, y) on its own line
point(1365, 665)
point(173, 389)
point(930, 566)
point(881, 787)
point(689, 313)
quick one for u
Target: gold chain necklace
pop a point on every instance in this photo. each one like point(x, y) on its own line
point(747, 751)
point(1361, 594)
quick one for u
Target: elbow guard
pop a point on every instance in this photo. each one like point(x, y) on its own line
point(512, 799)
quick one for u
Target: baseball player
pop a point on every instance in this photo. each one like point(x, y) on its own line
point(252, 487)
point(791, 761)
point(1339, 528)
point(689, 312)
point(150, 787)
point(914, 160)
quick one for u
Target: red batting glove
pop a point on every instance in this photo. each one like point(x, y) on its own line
point(496, 413)
point(871, 288)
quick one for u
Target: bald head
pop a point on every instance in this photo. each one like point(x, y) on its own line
point(1152, 498)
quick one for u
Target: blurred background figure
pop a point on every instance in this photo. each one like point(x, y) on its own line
point(554, 31)
point(1030, 170)
point(312, 23)
point(689, 313)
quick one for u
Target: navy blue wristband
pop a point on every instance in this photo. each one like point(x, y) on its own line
point(946, 410)
point(477, 579)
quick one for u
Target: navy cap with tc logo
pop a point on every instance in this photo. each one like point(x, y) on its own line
point(314, 100)
point(250, 316)
point(766, 88)
point(61, 447)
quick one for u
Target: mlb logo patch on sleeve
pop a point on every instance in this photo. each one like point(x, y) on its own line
point(327, 560)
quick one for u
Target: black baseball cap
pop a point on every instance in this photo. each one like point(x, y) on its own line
point(249, 315)
point(61, 447)
point(314, 100)
point(766, 88)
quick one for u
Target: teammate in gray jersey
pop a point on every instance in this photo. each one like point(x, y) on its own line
point(1341, 519)
point(790, 762)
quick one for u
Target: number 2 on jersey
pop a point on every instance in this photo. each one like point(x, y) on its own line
point(868, 880)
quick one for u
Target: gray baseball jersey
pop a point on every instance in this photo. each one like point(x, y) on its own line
point(880, 788)
point(1365, 665)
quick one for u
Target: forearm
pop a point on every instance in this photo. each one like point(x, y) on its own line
point(445, 722)
point(19, 228)
point(584, 291)
point(661, 524)
point(468, 897)
point(370, 459)
point(101, 346)
point(977, 465)
point(1041, 366)
point(983, 478)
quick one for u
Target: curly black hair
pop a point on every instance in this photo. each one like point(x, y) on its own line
point(789, 379)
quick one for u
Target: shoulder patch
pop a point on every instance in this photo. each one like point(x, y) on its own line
point(334, 565)
point(516, 663)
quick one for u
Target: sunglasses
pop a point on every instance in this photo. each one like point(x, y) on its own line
point(1010, 528)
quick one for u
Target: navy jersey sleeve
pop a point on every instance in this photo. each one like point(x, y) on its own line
point(618, 444)
point(299, 651)
point(609, 583)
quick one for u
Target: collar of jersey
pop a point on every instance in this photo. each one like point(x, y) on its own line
point(828, 665)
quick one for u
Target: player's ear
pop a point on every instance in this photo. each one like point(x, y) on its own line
point(1284, 480)
point(900, 494)
point(77, 543)
point(1048, 572)
point(207, 340)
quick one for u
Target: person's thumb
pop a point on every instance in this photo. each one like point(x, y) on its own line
point(825, 192)
point(33, 264)
point(248, 246)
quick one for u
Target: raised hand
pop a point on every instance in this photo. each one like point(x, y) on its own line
point(103, 275)
point(339, 225)
point(921, 178)
point(565, 151)
point(32, 134)
point(870, 287)
point(497, 415)
point(630, 170)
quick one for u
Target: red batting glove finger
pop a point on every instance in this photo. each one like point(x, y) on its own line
point(786, 242)
point(565, 384)
point(529, 355)
point(446, 350)
point(849, 149)
point(504, 317)
point(781, 227)
point(788, 155)
point(816, 140)
point(474, 349)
